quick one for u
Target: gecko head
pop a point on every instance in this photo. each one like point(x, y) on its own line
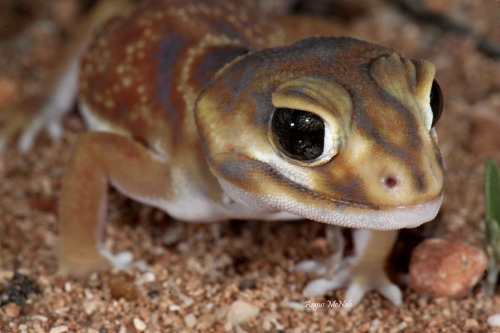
point(331, 129)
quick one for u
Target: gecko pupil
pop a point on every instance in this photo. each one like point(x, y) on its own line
point(436, 102)
point(298, 134)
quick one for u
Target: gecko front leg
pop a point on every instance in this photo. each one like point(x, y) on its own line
point(98, 160)
point(362, 272)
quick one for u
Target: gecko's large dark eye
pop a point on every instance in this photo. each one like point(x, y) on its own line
point(299, 135)
point(436, 102)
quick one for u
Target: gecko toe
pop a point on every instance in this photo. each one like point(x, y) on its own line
point(322, 286)
point(122, 260)
point(392, 293)
point(310, 266)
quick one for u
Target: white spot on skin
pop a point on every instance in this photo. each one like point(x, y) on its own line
point(109, 104)
point(126, 81)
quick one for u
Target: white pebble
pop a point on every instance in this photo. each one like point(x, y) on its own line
point(174, 307)
point(188, 301)
point(39, 317)
point(88, 295)
point(139, 324)
point(221, 312)
point(494, 320)
point(190, 320)
point(241, 311)
point(59, 329)
point(228, 327)
point(149, 277)
point(267, 326)
point(279, 327)
point(91, 306)
point(146, 278)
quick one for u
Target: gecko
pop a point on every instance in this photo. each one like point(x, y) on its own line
point(211, 110)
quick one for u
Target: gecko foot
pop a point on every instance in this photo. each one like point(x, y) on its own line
point(358, 280)
point(360, 273)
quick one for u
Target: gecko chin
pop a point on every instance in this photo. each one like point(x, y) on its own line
point(340, 213)
point(377, 218)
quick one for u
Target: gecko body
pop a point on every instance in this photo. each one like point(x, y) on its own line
point(211, 111)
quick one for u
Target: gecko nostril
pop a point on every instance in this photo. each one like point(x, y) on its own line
point(390, 182)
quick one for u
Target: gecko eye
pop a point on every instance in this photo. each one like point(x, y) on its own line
point(436, 102)
point(299, 135)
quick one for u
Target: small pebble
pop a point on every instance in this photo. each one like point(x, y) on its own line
point(241, 311)
point(91, 306)
point(190, 320)
point(39, 317)
point(121, 285)
point(59, 329)
point(148, 277)
point(228, 326)
point(221, 312)
point(279, 327)
point(88, 294)
point(267, 325)
point(471, 324)
point(188, 301)
point(494, 320)
point(139, 324)
point(12, 310)
point(60, 281)
point(441, 267)
point(19, 289)
point(59, 303)
point(174, 307)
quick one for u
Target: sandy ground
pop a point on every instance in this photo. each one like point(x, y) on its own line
point(188, 276)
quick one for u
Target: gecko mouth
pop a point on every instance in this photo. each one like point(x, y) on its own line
point(341, 203)
point(365, 216)
point(358, 215)
point(325, 209)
